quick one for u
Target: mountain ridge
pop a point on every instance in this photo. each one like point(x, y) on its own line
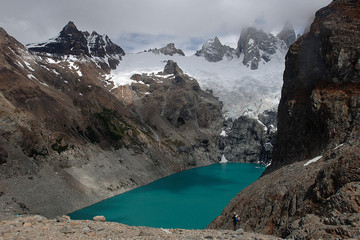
point(70, 139)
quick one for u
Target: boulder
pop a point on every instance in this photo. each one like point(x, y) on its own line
point(99, 219)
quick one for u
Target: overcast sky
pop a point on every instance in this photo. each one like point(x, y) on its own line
point(138, 25)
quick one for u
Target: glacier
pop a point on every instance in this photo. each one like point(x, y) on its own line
point(243, 91)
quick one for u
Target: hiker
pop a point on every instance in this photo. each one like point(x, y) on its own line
point(235, 219)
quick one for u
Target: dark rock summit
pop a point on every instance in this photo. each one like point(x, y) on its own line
point(213, 51)
point(69, 41)
point(311, 189)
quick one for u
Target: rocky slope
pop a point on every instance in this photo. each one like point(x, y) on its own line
point(311, 190)
point(69, 139)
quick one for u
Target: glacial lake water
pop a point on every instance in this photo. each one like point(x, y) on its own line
point(190, 199)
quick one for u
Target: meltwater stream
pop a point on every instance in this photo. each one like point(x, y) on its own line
point(189, 199)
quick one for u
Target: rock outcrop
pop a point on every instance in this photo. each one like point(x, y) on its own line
point(69, 139)
point(213, 51)
point(311, 189)
point(169, 50)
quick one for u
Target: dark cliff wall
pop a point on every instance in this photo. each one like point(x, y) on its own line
point(319, 107)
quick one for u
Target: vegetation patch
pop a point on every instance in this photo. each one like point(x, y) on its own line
point(115, 127)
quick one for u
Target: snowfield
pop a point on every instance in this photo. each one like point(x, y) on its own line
point(242, 90)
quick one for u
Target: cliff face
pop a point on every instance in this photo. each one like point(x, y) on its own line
point(248, 140)
point(311, 190)
point(319, 107)
point(68, 139)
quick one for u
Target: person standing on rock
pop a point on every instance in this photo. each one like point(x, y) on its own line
point(235, 219)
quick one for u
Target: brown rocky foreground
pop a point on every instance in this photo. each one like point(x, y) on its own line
point(38, 227)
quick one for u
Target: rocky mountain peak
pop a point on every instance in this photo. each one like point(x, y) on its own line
point(169, 50)
point(71, 41)
point(70, 28)
point(287, 34)
point(213, 51)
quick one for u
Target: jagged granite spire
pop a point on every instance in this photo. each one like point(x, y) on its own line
point(256, 45)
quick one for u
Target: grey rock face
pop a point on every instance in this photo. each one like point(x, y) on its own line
point(249, 140)
point(213, 51)
point(244, 141)
point(256, 46)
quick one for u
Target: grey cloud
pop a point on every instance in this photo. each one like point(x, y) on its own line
point(181, 20)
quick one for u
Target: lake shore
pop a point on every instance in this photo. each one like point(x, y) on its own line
point(38, 227)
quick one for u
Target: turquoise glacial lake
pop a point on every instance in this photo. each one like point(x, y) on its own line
point(189, 199)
